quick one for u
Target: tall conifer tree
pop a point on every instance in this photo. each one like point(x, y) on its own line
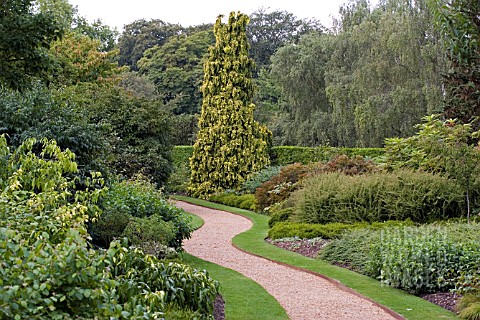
point(230, 143)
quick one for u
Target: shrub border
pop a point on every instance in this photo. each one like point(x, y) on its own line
point(252, 241)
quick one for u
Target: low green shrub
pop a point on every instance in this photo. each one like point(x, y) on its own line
point(351, 250)
point(279, 216)
point(423, 259)
point(146, 278)
point(140, 199)
point(326, 231)
point(243, 201)
point(149, 229)
point(419, 196)
point(109, 226)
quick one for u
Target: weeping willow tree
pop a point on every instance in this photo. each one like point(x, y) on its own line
point(230, 143)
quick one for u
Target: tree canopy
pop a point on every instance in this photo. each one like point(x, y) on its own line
point(25, 37)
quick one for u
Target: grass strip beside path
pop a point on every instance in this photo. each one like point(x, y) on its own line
point(409, 306)
point(244, 298)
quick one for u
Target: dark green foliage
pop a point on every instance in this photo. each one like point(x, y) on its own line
point(459, 24)
point(139, 199)
point(352, 250)
point(325, 231)
point(401, 195)
point(35, 113)
point(230, 143)
point(140, 35)
point(280, 215)
point(244, 201)
point(269, 31)
point(109, 226)
point(178, 180)
point(25, 37)
point(290, 154)
point(176, 69)
point(139, 128)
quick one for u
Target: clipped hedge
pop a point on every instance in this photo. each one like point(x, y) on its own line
point(244, 201)
point(326, 231)
point(284, 155)
point(419, 196)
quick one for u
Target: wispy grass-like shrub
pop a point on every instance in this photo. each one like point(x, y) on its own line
point(402, 195)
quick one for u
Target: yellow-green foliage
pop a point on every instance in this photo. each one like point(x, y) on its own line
point(230, 143)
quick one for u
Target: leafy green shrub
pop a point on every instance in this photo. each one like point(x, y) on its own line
point(256, 179)
point(422, 259)
point(279, 216)
point(325, 231)
point(176, 283)
point(244, 201)
point(352, 250)
point(139, 198)
point(153, 228)
point(109, 226)
point(49, 270)
point(401, 195)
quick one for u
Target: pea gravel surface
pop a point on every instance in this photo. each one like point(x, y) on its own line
point(303, 295)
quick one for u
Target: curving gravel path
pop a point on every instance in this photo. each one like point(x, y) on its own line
point(303, 295)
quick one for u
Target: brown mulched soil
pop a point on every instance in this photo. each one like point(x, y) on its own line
point(311, 247)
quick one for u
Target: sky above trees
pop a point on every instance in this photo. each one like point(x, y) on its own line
point(117, 13)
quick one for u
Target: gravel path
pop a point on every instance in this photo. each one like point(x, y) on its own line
point(303, 295)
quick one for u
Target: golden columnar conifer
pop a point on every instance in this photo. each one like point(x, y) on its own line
point(230, 143)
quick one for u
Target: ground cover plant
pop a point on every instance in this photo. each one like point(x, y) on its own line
point(49, 269)
point(419, 259)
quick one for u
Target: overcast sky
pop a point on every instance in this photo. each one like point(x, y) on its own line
point(117, 13)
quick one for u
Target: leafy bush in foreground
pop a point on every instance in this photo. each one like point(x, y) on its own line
point(48, 269)
point(402, 195)
point(139, 199)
